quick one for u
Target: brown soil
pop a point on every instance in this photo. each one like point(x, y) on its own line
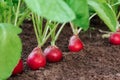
point(99, 60)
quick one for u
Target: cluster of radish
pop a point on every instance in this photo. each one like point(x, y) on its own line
point(38, 58)
point(52, 53)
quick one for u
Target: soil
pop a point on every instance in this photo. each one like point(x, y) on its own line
point(99, 60)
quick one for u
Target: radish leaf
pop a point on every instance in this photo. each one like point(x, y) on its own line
point(55, 10)
point(10, 49)
point(105, 12)
point(80, 8)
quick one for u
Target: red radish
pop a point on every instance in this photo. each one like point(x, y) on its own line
point(115, 38)
point(36, 59)
point(53, 54)
point(75, 44)
point(19, 68)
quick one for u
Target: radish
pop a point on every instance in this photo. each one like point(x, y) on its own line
point(36, 59)
point(43, 32)
point(75, 44)
point(53, 54)
point(115, 38)
point(19, 68)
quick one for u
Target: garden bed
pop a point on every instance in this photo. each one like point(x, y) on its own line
point(99, 60)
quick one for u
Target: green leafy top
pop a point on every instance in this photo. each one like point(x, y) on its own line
point(10, 49)
point(80, 8)
point(55, 10)
point(105, 12)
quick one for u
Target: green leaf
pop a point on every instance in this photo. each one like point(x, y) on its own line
point(117, 3)
point(10, 49)
point(80, 8)
point(55, 10)
point(102, 0)
point(105, 12)
point(15, 1)
point(114, 4)
point(9, 3)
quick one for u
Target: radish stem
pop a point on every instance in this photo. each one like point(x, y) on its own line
point(79, 30)
point(59, 31)
point(118, 15)
point(17, 12)
point(74, 28)
point(92, 16)
point(35, 29)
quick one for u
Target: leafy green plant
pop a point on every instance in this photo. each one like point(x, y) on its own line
point(52, 52)
point(107, 11)
point(114, 4)
point(15, 11)
point(12, 14)
point(63, 11)
point(43, 32)
point(56, 11)
point(10, 49)
point(80, 8)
